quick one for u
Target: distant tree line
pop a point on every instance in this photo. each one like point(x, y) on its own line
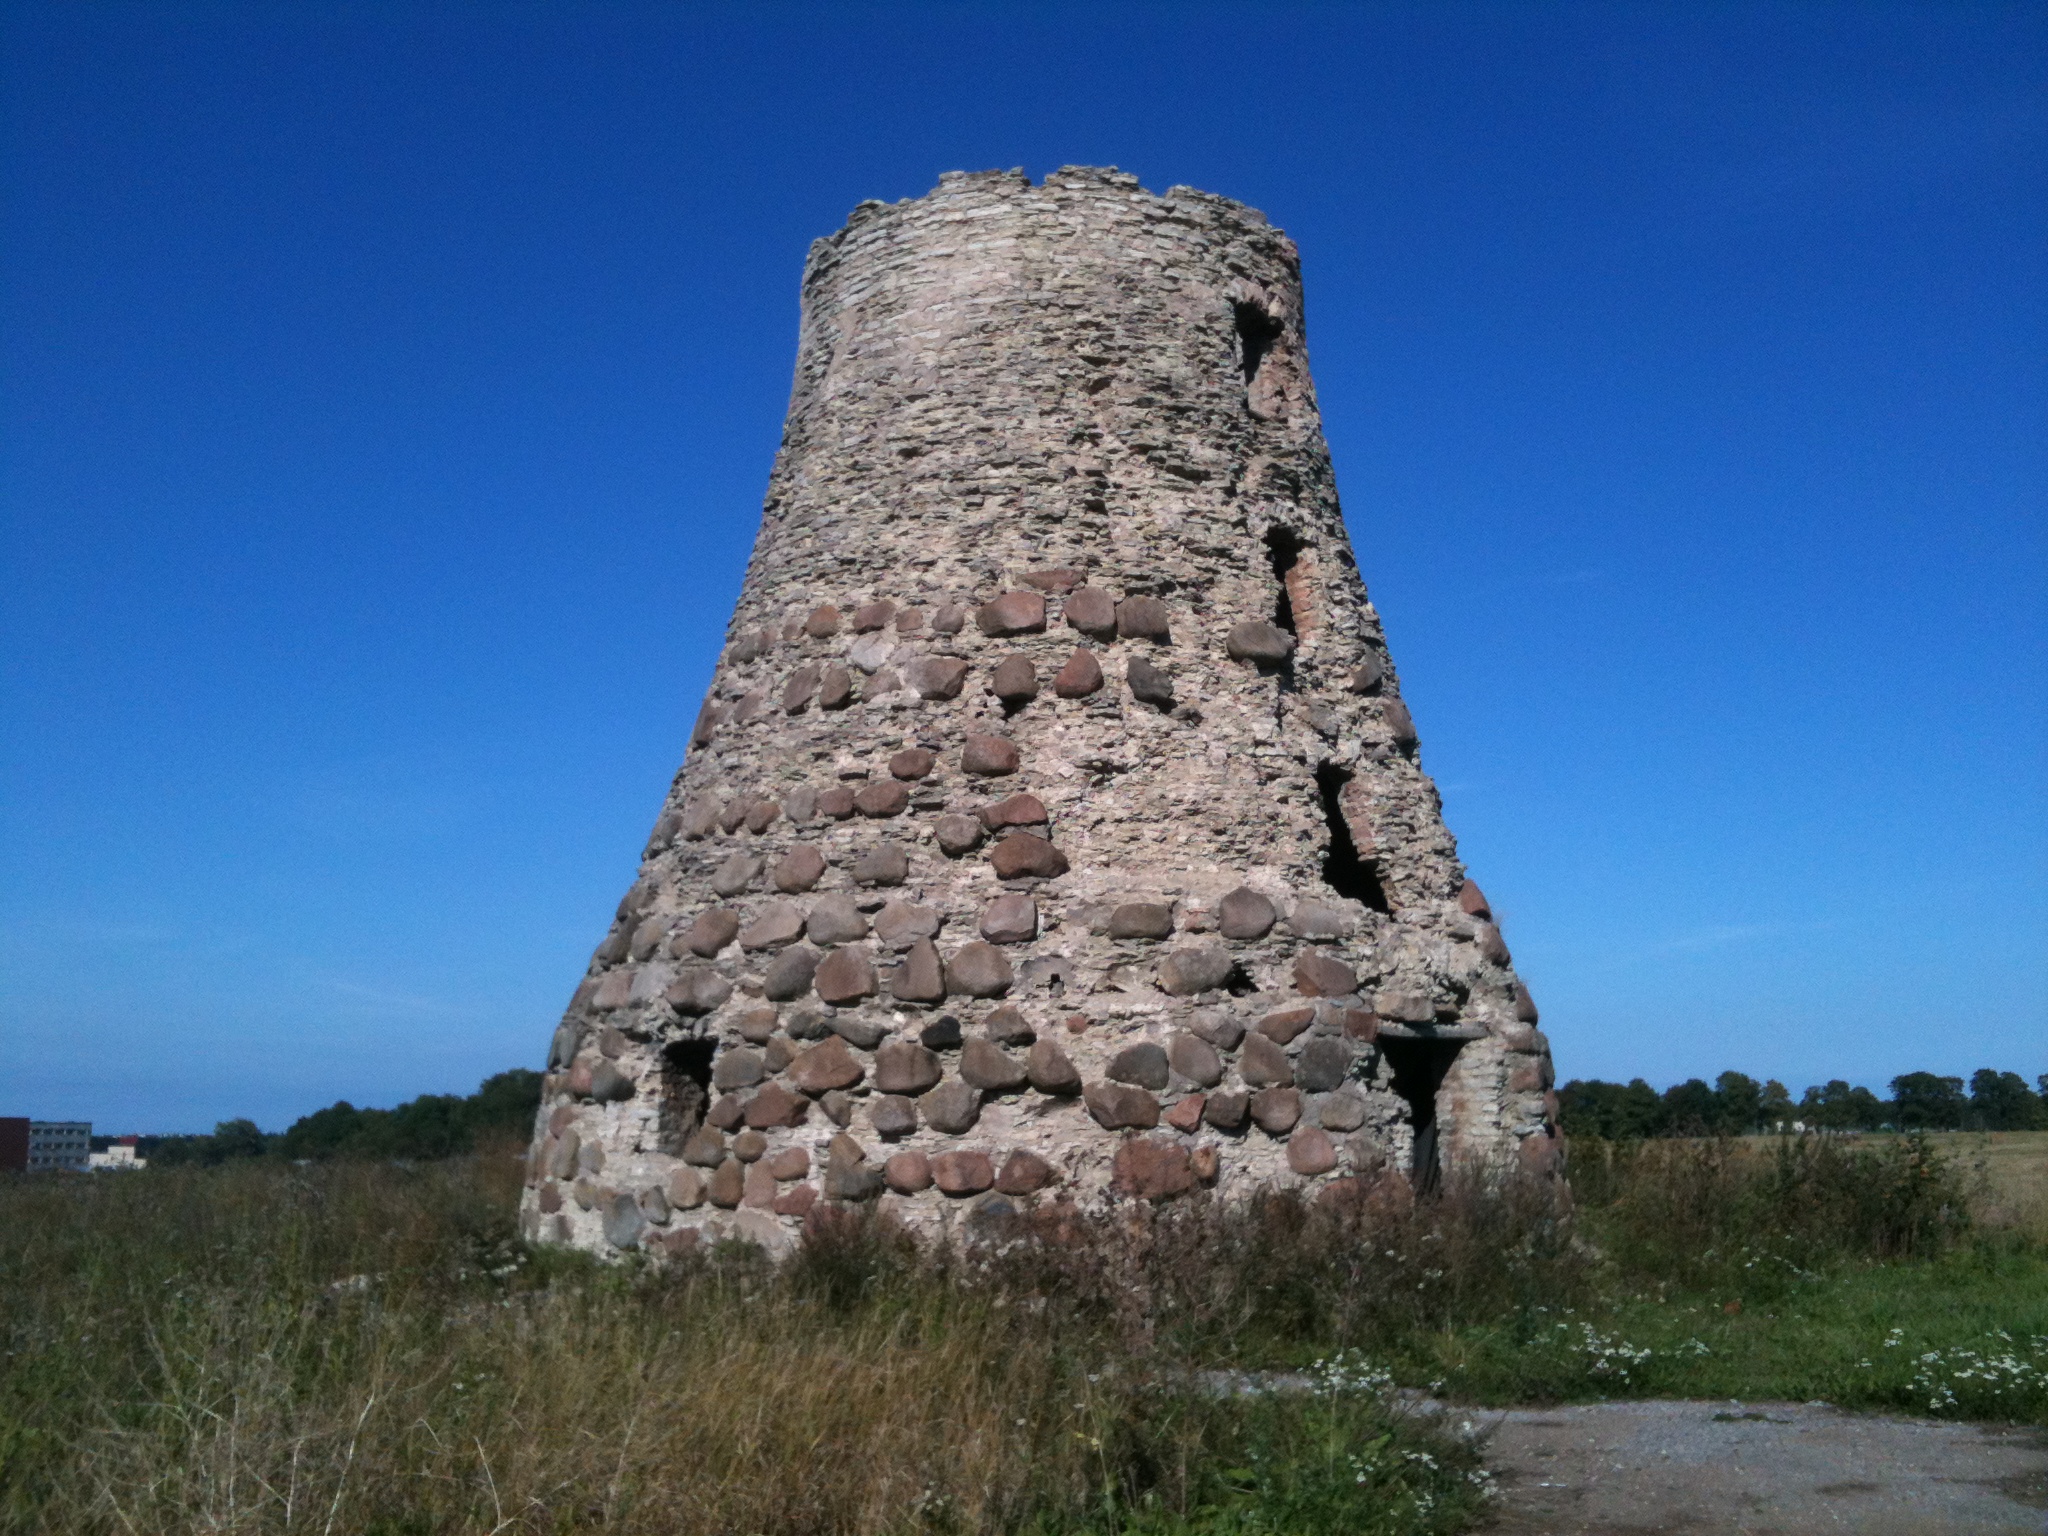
point(1738, 1105)
point(432, 1125)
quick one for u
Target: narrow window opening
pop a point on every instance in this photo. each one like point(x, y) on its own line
point(1256, 333)
point(1419, 1068)
point(1283, 549)
point(685, 1091)
point(1344, 871)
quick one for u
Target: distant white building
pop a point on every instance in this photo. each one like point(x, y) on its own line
point(118, 1156)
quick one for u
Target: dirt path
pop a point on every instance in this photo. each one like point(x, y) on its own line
point(1758, 1469)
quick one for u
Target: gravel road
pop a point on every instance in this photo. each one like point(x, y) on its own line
point(1758, 1469)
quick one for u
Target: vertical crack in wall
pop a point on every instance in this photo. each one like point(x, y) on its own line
point(1283, 550)
point(1256, 333)
point(1345, 870)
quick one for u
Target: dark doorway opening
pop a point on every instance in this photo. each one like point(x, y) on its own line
point(1419, 1067)
point(1345, 871)
point(1283, 549)
point(685, 1091)
point(1256, 333)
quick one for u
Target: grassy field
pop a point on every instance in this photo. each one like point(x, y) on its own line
point(367, 1348)
point(2009, 1170)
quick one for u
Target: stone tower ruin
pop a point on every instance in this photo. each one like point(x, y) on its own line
point(1054, 828)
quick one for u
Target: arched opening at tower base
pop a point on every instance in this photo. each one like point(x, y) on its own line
point(1419, 1068)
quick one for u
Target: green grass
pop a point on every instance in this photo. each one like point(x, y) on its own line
point(363, 1347)
point(1853, 1336)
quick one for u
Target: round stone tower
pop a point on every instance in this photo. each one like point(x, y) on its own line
point(1054, 828)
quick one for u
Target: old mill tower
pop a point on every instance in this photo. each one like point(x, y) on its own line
point(1054, 828)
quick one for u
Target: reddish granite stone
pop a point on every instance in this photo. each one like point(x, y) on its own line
point(796, 1202)
point(1256, 641)
point(908, 1173)
point(884, 797)
point(1263, 1064)
point(1150, 1169)
point(1399, 721)
point(1196, 968)
point(1194, 1059)
point(1092, 611)
point(962, 1173)
point(1310, 1152)
point(987, 1066)
point(1010, 920)
point(989, 756)
point(1050, 1070)
point(1014, 613)
point(1318, 975)
point(937, 677)
point(912, 763)
point(1276, 1111)
point(904, 1067)
point(835, 688)
point(1283, 1026)
point(1018, 810)
point(1141, 920)
point(1024, 1173)
point(1021, 854)
point(798, 870)
point(776, 1106)
point(1245, 914)
point(1015, 680)
point(921, 978)
point(957, 834)
point(845, 977)
point(979, 969)
point(1116, 1107)
point(1142, 618)
point(1080, 676)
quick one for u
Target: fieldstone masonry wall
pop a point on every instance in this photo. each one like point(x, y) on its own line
point(1054, 828)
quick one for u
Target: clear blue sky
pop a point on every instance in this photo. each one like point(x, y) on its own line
point(387, 393)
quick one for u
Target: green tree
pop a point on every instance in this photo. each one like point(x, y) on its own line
point(1777, 1106)
point(1922, 1101)
point(1691, 1109)
point(430, 1126)
point(1738, 1104)
point(2002, 1101)
point(236, 1138)
point(1590, 1107)
point(1839, 1106)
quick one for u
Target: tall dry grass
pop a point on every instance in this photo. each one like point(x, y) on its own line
point(359, 1348)
point(365, 1349)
